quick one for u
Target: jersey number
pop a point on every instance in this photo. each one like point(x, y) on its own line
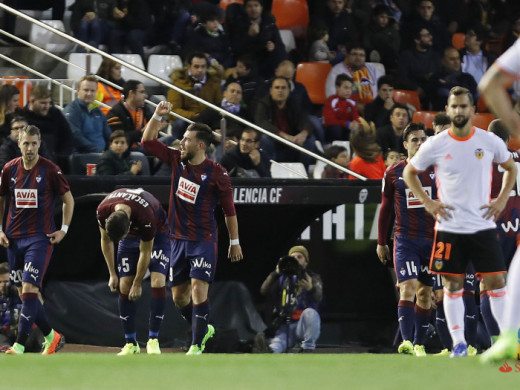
point(442, 248)
point(126, 266)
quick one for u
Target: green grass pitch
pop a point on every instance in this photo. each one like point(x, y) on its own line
point(250, 372)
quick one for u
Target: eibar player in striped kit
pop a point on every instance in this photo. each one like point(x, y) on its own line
point(32, 184)
point(197, 185)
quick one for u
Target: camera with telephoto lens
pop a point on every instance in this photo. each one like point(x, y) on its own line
point(289, 266)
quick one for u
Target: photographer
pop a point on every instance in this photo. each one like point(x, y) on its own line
point(297, 292)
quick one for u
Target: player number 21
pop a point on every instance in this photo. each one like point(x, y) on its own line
point(441, 248)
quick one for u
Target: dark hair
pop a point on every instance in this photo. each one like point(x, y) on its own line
point(4, 268)
point(40, 91)
point(251, 130)
point(387, 152)
point(401, 106)
point(258, 1)
point(209, 15)
point(117, 225)
point(386, 79)
point(203, 132)
point(441, 119)
point(247, 60)
point(498, 128)
point(480, 31)
point(7, 92)
point(194, 54)
point(18, 118)
point(105, 68)
point(334, 151)
point(416, 32)
point(317, 31)
point(118, 134)
point(457, 91)
point(128, 86)
point(380, 9)
point(279, 78)
point(30, 130)
point(341, 78)
point(355, 45)
point(411, 127)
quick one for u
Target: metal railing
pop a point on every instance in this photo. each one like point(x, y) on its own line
point(222, 112)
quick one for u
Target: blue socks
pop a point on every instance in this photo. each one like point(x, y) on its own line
point(200, 322)
point(422, 323)
point(127, 311)
point(157, 304)
point(406, 318)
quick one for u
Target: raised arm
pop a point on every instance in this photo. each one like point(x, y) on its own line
point(151, 131)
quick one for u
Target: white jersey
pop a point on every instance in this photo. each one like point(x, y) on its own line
point(509, 62)
point(463, 171)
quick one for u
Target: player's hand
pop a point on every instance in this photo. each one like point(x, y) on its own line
point(494, 209)
point(3, 240)
point(56, 237)
point(307, 282)
point(135, 292)
point(235, 253)
point(163, 108)
point(113, 283)
point(383, 252)
point(438, 210)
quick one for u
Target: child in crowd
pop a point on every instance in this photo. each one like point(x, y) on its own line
point(368, 160)
point(392, 157)
point(339, 111)
point(116, 160)
point(341, 156)
point(319, 51)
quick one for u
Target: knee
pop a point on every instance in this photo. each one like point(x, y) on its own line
point(424, 298)
point(407, 290)
point(311, 315)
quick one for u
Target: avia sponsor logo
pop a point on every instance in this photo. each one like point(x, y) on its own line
point(257, 195)
point(26, 198)
point(411, 200)
point(187, 190)
point(200, 263)
point(29, 268)
point(159, 255)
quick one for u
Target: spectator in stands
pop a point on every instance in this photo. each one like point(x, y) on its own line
point(391, 157)
point(195, 79)
point(364, 75)
point(88, 124)
point(9, 148)
point(368, 159)
point(10, 306)
point(208, 37)
point(340, 24)
point(91, 20)
point(425, 17)
point(341, 156)
point(418, 63)
point(246, 159)
point(339, 112)
point(448, 77)
point(278, 114)
point(110, 70)
point(441, 122)
point(9, 98)
point(54, 128)
point(245, 73)
point(117, 160)
point(475, 60)
point(390, 137)
point(319, 50)
point(132, 22)
point(254, 32)
point(381, 38)
point(171, 20)
point(231, 102)
point(131, 114)
point(378, 111)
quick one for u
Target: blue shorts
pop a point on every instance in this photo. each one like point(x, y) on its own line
point(128, 255)
point(28, 259)
point(411, 259)
point(192, 260)
point(509, 246)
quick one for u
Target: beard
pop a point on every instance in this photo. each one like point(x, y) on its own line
point(186, 156)
point(460, 123)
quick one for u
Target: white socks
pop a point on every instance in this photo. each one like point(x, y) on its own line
point(454, 311)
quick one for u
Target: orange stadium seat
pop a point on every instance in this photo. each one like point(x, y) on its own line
point(291, 15)
point(482, 119)
point(313, 75)
point(457, 40)
point(407, 97)
point(425, 117)
point(23, 86)
point(514, 143)
point(224, 3)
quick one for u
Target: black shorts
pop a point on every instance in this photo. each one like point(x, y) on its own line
point(453, 252)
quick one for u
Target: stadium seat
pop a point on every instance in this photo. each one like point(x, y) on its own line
point(162, 66)
point(80, 59)
point(313, 75)
point(288, 40)
point(138, 156)
point(24, 86)
point(514, 143)
point(291, 15)
point(48, 40)
point(137, 61)
point(79, 161)
point(457, 40)
point(425, 117)
point(278, 170)
point(224, 3)
point(407, 97)
point(482, 119)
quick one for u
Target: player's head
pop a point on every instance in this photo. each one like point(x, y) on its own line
point(460, 106)
point(441, 122)
point(498, 128)
point(197, 138)
point(301, 254)
point(117, 225)
point(29, 141)
point(414, 135)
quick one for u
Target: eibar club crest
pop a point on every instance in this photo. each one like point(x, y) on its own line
point(38, 179)
point(479, 153)
point(203, 177)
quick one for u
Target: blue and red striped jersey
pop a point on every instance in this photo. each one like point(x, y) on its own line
point(32, 196)
point(195, 191)
point(147, 215)
point(400, 204)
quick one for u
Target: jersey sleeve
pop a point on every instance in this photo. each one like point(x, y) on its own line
point(502, 154)
point(225, 192)
point(161, 151)
point(4, 182)
point(509, 62)
point(386, 213)
point(60, 183)
point(424, 157)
